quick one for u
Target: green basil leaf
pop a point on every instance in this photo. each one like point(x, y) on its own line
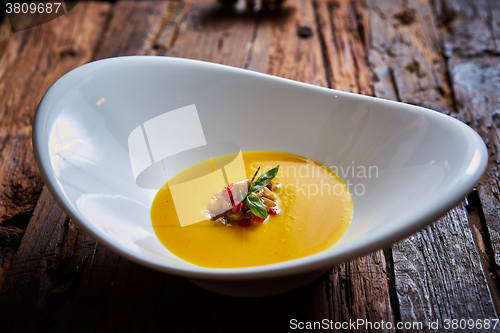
point(255, 174)
point(256, 206)
point(264, 179)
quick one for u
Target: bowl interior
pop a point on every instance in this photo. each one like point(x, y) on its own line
point(109, 134)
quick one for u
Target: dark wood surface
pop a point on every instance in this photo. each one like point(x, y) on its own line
point(440, 54)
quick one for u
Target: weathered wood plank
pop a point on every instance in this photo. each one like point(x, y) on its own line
point(134, 27)
point(438, 270)
point(211, 34)
point(405, 55)
point(6, 40)
point(472, 47)
point(483, 241)
point(342, 27)
point(45, 263)
point(471, 26)
point(31, 60)
point(439, 275)
point(292, 56)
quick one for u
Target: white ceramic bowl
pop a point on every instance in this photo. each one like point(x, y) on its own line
point(93, 128)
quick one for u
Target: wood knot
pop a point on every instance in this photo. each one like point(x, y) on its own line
point(304, 32)
point(69, 52)
point(158, 48)
point(414, 68)
point(406, 17)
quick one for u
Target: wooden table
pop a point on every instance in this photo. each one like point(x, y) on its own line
point(444, 55)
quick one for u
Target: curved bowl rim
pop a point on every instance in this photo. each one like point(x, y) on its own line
point(300, 265)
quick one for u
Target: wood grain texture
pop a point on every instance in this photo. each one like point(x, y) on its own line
point(405, 54)
point(133, 27)
point(211, 34)
point(292, 56)
point(438, 274)
point(474, 65)
point(30, 62)
point(342, 29)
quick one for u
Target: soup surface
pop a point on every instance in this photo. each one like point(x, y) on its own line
point(316, 210)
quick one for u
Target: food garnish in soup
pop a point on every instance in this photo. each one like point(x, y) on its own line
point(247, 201)
point(226, 212)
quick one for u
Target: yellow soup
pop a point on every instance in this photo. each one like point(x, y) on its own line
point(316, 211)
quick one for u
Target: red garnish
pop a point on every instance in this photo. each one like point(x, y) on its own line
point(257, 219)
point(237, 208)
point(274, 210)
point(230, 193)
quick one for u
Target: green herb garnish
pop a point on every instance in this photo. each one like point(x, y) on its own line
point(263, 180)
point(255, 174)
point(256, 206)
point(252, 201)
